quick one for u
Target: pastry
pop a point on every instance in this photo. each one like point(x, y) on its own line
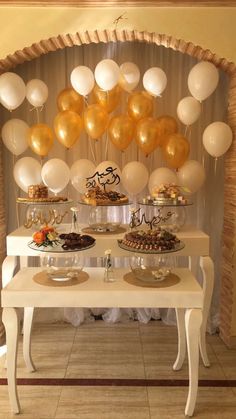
point(96, 196)
point(166, 194)
point(158, 239)
point(37, 191)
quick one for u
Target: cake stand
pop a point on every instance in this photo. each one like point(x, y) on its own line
point(36, 213)
point(105, 218)
point(173, 214)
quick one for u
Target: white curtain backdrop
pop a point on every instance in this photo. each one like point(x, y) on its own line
point(206, 213)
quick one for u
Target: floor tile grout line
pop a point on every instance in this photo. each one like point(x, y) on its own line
point(141, 342)
point(59, 396)
point(219, 362)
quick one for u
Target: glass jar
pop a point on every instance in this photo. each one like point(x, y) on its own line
point(62, 268)
point(151, 268)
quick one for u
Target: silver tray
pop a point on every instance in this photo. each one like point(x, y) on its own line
point(46, 203)
point(178, 247)
point(167, 203)
point(106, 205)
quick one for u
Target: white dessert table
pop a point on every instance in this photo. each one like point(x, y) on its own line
point(196, 244)
point(22, 291)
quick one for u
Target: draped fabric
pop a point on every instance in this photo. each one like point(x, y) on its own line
point(54, 68)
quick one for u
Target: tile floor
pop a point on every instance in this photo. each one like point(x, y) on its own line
point(123, 351)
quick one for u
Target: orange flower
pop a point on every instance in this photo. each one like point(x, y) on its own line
point(39, 237)
point(47, 230)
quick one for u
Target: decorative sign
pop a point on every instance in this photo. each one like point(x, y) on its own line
point(39, 218)
point(137, 219)
point(108, 177)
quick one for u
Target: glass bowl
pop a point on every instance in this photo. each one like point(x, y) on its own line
point(151, 268)
point(63, 268)
point(105, 218)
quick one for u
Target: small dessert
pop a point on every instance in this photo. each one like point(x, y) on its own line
point(37, 191)
point(74, 241)
point(151, 240)
point(96, 196)
point(167, 194)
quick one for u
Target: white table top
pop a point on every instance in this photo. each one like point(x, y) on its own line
point(23, 291)
point(196, 243)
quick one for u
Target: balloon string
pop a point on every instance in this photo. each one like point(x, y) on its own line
point(106, 146)
point(37, 115)
point(186, 130)
point(215, 166)
point(15, 194)
point(91, 149)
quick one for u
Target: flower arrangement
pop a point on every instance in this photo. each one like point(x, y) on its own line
point(46, 236)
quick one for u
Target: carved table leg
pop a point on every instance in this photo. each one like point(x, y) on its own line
point(207, 267)
point(11, 323)
point(193, 320)
point(28, 321)
point(180, 315)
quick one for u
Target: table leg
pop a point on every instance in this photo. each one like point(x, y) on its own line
point(11, 323)
point(193, 320)
point(180, 314)
point(27, 327)
point(8, 269)
point(207, 267)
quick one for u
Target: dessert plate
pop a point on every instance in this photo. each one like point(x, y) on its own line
point(178, 247)
point(57, 248)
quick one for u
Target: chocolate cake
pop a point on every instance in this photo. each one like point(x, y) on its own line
point(74, 241)
point(96, 196)
point(158, 239)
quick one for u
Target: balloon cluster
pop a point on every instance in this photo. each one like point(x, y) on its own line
point(134, 177)
point(56, 174)
point(105, 86)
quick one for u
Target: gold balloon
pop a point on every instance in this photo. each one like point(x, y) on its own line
point(68, 127)
point(108, 100)
point(166, 125)
point(40, 139)
point(146, 135)
point(121, 131)
point(95, 121)
point(140, 105)
point(69, 100)
point(176, 150)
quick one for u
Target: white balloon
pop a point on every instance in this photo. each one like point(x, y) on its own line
point(191, 176)
point(217, 138)
point(161, 176)
point(188, 110)
point(203, 80)
point(129, 76)
point(82, 80)
point(107, 74)
point(12, 90)
point(79, 172)
point(26, 172)
point(36, 92)
point(112, 177)
point(55, 174)
point(134, 177)
point(15, 136)
point(154, 81)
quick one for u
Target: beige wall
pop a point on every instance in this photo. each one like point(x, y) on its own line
point(211, 28)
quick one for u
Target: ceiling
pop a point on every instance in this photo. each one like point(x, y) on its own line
point(120, 3)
